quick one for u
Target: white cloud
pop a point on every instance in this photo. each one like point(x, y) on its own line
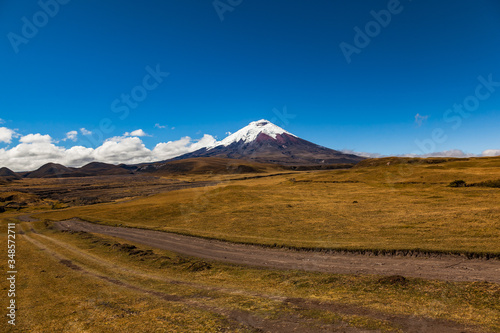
point(138, 132)
point(123, 150)
point(35, 150)
point(85, 131)
point(31, 155)
point(491, 152)
point(2, 121)
point(206, 141)
point(362, 154)
point(446, 153)
point(77, 156)
point(71, 135)
point(6, 134)
point(164, 151)
point(36, 138)
point(160, 126)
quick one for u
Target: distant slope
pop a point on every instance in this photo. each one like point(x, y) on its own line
point(251, 149)
point(373, 162)
point(52, 170)
point(99, 169)
point(206, 165)
point(8, 175)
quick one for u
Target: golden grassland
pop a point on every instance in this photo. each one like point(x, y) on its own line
point(114, 290)
point(82, 282)
point(54, 298)
point(392, 205)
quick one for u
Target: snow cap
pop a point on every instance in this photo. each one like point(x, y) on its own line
point(250, 132)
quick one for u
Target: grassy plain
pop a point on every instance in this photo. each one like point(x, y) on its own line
point(81, 282)
point(388, 206)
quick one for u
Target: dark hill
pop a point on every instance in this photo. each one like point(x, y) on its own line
point(53, 170)
point(99, 169)
point(8, 174)
point(207, 165)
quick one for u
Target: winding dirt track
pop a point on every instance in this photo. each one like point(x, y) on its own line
point(236, 318)
point(451, 268)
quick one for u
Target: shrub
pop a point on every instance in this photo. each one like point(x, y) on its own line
point(458, 183)
point(488, 183)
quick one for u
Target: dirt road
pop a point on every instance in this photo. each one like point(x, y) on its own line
point(96, 268)
point(451, 268)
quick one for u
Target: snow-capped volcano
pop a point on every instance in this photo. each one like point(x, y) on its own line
point(250, 133)
point(263, 141)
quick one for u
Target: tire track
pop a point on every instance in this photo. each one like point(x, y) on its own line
point(238, 318)
point(442, 268)
point(291, 323)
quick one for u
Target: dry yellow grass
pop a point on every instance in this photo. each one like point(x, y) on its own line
point(398, 206)
point(53, 297)
point(384, 207)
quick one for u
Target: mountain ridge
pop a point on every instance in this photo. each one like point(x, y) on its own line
point(262, 141)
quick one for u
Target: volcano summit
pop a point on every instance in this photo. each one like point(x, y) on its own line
point(264, 142)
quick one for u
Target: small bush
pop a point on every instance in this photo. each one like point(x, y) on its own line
point(199, 266)
point(458, 183)
point(393, 280)
point(489, 183)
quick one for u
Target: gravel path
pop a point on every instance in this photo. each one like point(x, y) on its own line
point(452, 268)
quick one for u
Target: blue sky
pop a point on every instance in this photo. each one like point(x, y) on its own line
point(260, 58)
